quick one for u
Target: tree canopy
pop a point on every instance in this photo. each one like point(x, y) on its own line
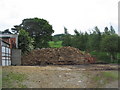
point(95, 41)
point(25, 42)
point(110, 45)
point(39, 29)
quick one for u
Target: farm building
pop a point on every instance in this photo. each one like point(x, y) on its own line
point(9, 54)
point(5, 53)
point(12, 39)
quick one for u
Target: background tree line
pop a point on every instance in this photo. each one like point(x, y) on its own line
point(106, 44)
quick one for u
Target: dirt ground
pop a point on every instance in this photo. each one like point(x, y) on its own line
point(67, 76)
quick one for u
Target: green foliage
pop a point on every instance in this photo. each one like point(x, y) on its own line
point(79, 41)
point(101, 56)
point(25, 42)
point(106, 31)
point(39, 29)
point(94, 40)
point(101, 42)
point(105, 57)
point(65, 31)
point(110, 44)
point(67, 38)
point(112, 31)
point(56, 44)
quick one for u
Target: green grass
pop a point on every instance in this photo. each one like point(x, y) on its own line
point(105, 77)
point(96, 78)
point(13, 80)
point(110, 75)
point(56, 44)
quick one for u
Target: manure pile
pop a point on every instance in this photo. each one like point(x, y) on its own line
point(57, 56)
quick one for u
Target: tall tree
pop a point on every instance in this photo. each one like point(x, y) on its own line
point(112, 30)
point(66, 38)
point(106, 31)
point(94, 40)
point(76, 33)
point(110, 44)
point(79, 40)
point(39, 29)
point(66, 31)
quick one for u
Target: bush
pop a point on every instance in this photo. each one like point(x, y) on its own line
point(101, 56)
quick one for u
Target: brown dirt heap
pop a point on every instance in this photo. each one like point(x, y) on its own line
point(57, 56)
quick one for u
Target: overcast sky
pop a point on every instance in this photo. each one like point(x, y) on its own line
point(82, 15)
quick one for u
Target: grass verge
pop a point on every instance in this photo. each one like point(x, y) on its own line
point(13, 80)
point(105, 77)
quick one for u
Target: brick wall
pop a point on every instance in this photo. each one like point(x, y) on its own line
point(11, 41)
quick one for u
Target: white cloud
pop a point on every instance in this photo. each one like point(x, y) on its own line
point(74, 14)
